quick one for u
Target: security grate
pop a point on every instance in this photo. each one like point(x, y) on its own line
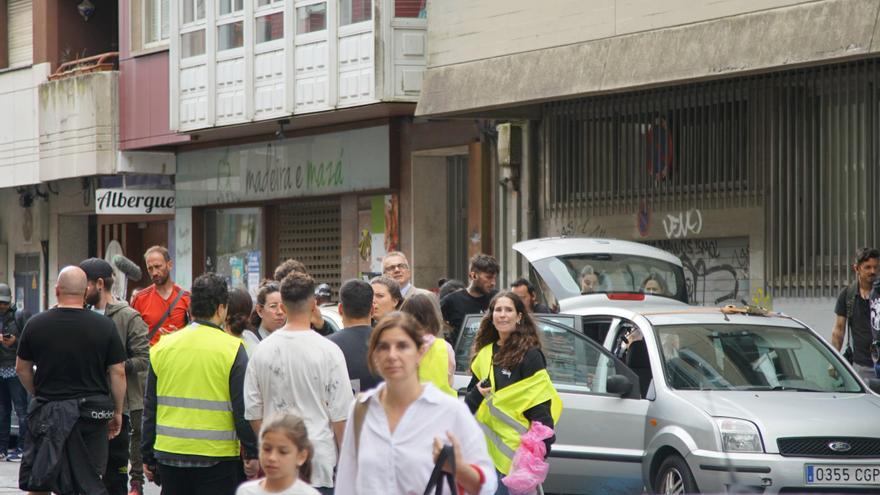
point(309, 232)
point(802, 144)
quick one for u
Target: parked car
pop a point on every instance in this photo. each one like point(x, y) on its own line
point(575, 273)
point(701, 400)
point(331, 315)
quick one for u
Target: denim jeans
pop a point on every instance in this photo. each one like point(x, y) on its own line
point(12, 394)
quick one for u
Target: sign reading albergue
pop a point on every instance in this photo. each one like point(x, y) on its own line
point(134, 202)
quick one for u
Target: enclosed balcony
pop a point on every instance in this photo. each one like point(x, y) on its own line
point(234, 62)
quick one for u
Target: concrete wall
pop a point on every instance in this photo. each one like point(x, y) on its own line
point(79, 126)
point(523, 52)
point(19, 130)
point(467, 30)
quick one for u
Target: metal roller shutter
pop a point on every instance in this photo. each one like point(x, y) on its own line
point(309, 232)
point(21, 32)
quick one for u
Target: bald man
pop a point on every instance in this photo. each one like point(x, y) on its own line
point(75, 351)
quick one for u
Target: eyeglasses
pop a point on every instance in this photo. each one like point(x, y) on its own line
point(399, 266)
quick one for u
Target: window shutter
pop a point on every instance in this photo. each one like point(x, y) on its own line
point(21, 32)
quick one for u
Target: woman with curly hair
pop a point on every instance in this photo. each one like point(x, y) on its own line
point(510, 387)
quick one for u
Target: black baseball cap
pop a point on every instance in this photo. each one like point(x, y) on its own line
point(96, 268)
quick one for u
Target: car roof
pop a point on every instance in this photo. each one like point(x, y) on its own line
point(550, 247)
point(689, 315)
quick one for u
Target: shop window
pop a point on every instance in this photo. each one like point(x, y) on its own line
point(230, 36)
point(354, 11)
point(270, 27)
point(311, 18)
point(410, 8)
point(234, 246)
point(192, 44)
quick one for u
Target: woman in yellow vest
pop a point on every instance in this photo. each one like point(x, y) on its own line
point(438, 364)
point(510, 387)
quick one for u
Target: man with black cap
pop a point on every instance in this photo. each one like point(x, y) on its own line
point(12, 393)
point(133, 334)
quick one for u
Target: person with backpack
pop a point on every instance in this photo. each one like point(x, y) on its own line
point(852, 332)
point(12, 393)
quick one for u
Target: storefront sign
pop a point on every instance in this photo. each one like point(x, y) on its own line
point(339, 162)
point(134, 202)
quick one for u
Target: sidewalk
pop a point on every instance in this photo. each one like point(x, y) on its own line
point(9, 480)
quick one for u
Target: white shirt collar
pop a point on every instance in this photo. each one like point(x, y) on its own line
point(406, 288)
point(430, 393)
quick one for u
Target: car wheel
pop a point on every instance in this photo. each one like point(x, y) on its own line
point(674, 477)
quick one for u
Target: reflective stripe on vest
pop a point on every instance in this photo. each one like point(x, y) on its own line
point(501, 414)
point(193, 404)
point(434, 367)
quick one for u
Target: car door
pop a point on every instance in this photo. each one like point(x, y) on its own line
point(600, 436)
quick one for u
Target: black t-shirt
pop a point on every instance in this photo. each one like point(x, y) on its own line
point(459, 304)
point(859, 326)
point(354, 342)
point(72, 349)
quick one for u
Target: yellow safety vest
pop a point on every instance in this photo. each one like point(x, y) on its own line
point(434, 367)
point(500, 415)
point(193, 405)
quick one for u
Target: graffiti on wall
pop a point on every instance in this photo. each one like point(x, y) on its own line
point(583, 227)
point(682, 224)
point(715, 270)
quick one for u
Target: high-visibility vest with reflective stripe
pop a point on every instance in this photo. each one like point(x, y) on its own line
point(500, 415)
point(434, 367)
point(193, 404)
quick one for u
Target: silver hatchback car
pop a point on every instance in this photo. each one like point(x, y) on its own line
point(678, 399)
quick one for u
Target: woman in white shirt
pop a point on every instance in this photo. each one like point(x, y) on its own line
point(391, 448)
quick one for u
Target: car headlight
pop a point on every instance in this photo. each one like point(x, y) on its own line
point(739, 435)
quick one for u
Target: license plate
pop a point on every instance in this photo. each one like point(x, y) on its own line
point(842, 474)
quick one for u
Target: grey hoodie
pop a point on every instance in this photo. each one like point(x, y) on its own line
point(133, 334)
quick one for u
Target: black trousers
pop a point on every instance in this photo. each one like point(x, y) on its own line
point(116, 474)
point(220, 479)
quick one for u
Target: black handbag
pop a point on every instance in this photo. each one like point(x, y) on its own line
point(438, 475)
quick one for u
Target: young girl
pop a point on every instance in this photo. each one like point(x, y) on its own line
point(286, 458)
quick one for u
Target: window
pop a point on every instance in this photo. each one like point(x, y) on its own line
point(311, 18)
point(354, 11)
point(155, 23)
point(410, 8)
point(234, 246)
point(17, 40)
point(263, 3)
point(270, 27)
point(230, 36)
point(231, 6)
point(193, 10)
point(192, 44)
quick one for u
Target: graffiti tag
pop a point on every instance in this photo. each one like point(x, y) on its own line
point(683, 223)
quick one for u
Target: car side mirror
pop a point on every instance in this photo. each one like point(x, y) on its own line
point(620, 385)
point(874, 385)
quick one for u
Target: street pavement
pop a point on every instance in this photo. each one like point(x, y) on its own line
point(9, 480)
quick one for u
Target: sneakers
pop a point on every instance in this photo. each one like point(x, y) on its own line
point(137, 488)
point(14, 456)
point(3, 456)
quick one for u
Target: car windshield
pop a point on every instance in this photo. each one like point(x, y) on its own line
point(749, 357)
point(606, 272)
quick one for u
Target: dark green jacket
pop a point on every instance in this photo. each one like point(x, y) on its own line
point(133, 334)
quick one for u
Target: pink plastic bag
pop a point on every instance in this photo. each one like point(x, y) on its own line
point(529, 469)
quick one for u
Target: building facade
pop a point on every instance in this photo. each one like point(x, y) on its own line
point(740, 136)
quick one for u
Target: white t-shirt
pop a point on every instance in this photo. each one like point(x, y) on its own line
point(401, 463)
point(300, 371)
point(299, 487)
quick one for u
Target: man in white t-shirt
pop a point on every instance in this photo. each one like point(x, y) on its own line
point(296, 369)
